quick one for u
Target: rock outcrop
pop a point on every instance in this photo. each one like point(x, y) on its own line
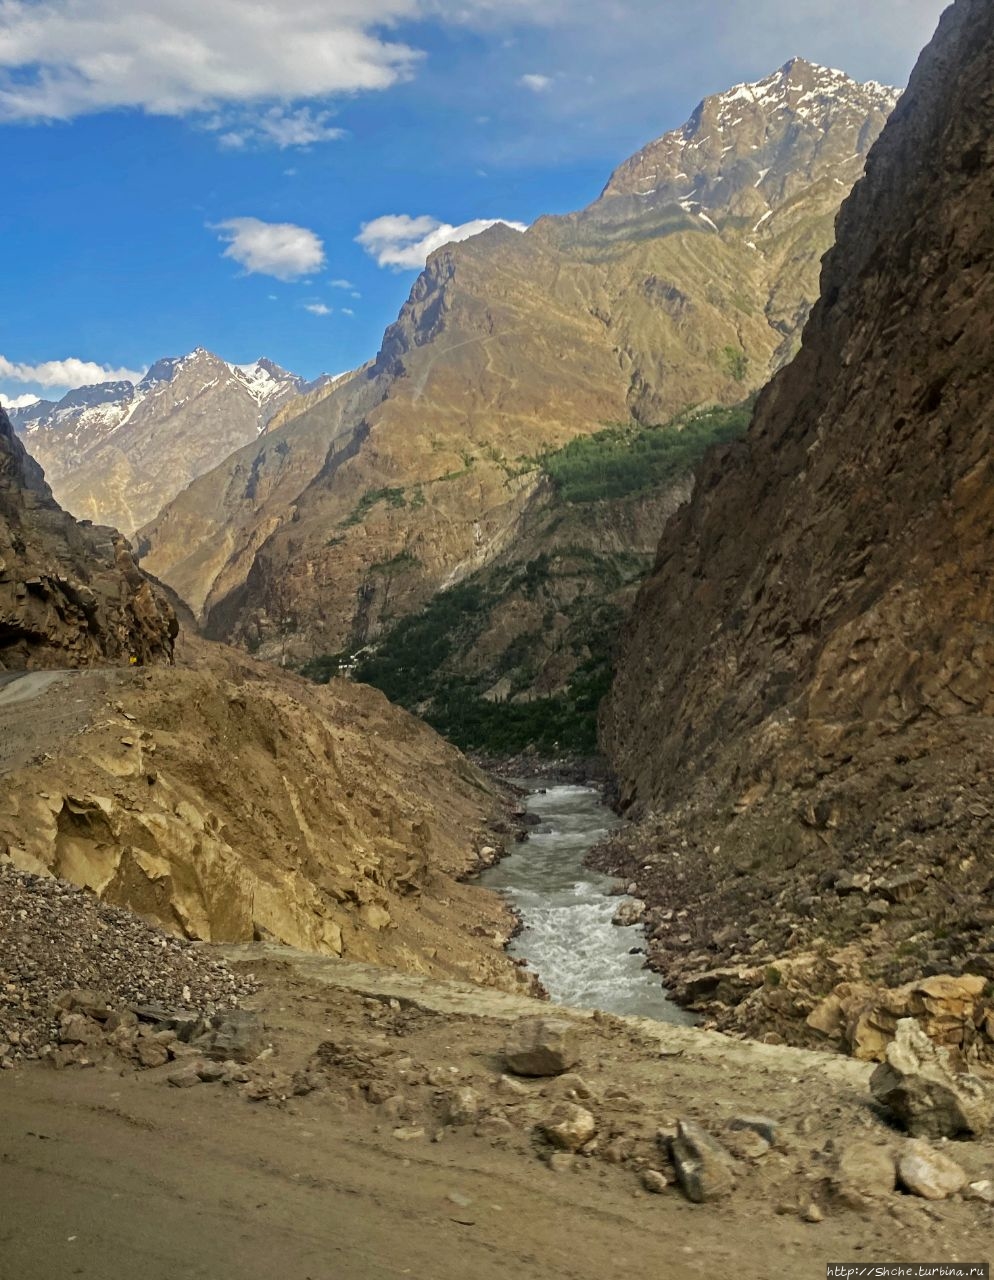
point(685, 283)
point(805, 692)
point(70, 594)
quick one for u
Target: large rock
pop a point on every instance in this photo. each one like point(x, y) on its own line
point(704, 1168)
point(917, 1084)
point(929, 1173)
point(864, 1172)
point(542, 1047)
point(863, 1019)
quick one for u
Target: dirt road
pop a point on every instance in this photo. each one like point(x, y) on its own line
point(110, 1175)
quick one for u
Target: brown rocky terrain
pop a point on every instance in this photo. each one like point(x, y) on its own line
point(396, 1125)
point(224, 801)
point(802, 713)
point(117, 452)
point(685, 283)
point(70, 594)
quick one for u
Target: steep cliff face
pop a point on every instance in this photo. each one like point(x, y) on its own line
point(805, 694)
point(690, 289)
point(827, 578)
point(70, 594)
point(117, 452)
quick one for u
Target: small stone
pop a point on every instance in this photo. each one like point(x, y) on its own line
point(493, 1126)
point(561, 1162)
point(654, 1181)
point(928, 1173)
point(982, 1191)
point(235, 1035)
point(542, 1047)
point(151, 1054)
point(409, 1134)
point(763, 1125)
point(569, 1126)
point(211, 1072)
point(378, 1091)
point(512, 1088)
point(812, 1213)
point(186, 1077)
point(571, 1086)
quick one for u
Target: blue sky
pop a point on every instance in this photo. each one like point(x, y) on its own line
point(199, 172)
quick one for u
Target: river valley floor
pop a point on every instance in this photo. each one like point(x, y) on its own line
point(110, 1173)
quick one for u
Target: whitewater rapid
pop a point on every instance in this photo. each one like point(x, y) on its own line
point(568, 939)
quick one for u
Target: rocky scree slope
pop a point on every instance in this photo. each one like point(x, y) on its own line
point(117, 452)
point(689, 289)
point(803, 704)
point(225, 801)
point(69, 594)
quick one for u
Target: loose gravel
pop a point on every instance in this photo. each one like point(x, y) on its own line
point(55, 937)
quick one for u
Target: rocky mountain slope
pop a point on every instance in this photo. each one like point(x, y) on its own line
point(224, 801)
point(805, 694)
point(117, 452)
point(69, 594)
point(519, 654)
point(685, 283)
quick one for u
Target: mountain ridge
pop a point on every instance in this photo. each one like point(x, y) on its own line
point(116, 452)
point(509, 344)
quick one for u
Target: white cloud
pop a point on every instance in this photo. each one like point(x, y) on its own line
point(66, 373)
point(279, 249)
point(317, 308)
point(537, 83)
point(278, 126)
point(341, 284)
point(174, 57)
point(403, 243)
point(18, 402)
point(347, 311)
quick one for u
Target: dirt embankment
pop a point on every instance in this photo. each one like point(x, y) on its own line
point(224, 801)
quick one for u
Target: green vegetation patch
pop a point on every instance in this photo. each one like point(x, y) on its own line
point(429, 662)
point(624, 460)
point(392, 497)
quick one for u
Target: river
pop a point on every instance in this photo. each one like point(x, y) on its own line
point(568, 939)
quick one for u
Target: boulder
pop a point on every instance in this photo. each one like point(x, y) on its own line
point(917, 1084)
point(928, 1173)
point(629, 913)
point(461, 1106)
point(232, 1036)
point(542, 1047)
point(704, 1168)
point(569, 1127)
point(864, 1172)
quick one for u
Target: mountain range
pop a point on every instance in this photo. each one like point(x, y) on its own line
point(684, 284)
point(117, 452)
